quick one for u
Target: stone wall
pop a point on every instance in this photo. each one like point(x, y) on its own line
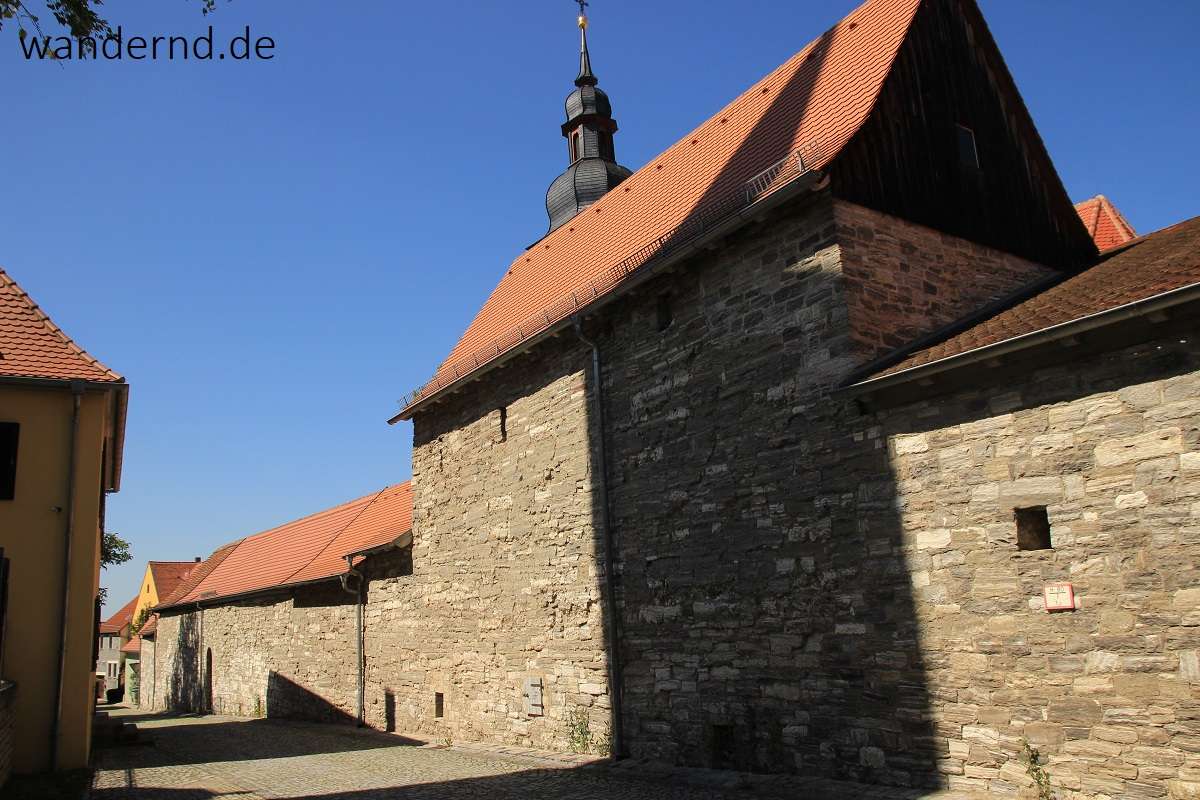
point(506, 576)
point(7, 729)
point(285, 654)
point(146, 697)
point(903, 279)
point(1109, 691)
point(767, 623)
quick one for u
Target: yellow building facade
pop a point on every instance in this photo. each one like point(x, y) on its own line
point(62, 418)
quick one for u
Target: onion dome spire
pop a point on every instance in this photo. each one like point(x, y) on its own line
point(593, 169)
point(585, 77)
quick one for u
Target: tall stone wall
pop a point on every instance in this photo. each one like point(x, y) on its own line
point(1110, 691)
point(766, 618)
point(767, 623)
point(506, 573)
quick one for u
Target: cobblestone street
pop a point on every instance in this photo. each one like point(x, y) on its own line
point(199, 758)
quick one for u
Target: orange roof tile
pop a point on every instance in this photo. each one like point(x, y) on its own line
point(1152, 265)
point(385, 519)
point(813, 104)
point(133, 646)
point(202, 571)
point(1105, 224)
point(150, 627)
point(32, 346)
point(169, 574)
point(120, 619)
point(309, 549)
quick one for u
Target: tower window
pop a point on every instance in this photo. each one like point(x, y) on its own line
point(575, 139)
point(1033, 528)
point(664, 312)
point(504, 423)
point(968, 155)
point(9, 434)
point(439, 705)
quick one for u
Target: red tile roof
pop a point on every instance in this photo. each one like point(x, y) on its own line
point(308, 549)
point(169, 574)
point(385, 519)
point(32, 346)
point(119, 620)
point(133, 646)
point(1152, 265)
point(1105, 223)
point(150, 627)
point(202, 571)
point(813, 104)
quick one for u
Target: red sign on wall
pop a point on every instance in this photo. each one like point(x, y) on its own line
point(1059, 597)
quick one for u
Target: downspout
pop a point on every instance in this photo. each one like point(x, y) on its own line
point(202, 663)
point(610, 596)
point(357, 591)
point(68, 535)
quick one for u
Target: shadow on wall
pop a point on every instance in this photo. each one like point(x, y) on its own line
point(767, 619)
point(185, 689)
point(287, 699)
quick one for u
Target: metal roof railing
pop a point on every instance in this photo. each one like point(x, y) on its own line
point(792, 166)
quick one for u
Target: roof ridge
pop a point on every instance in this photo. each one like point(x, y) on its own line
point(44, 318)
point(335, 535)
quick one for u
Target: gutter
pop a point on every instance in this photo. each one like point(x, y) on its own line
point(640, 275)
point(1137, 309)
point(77, 389)
point(357, 591)
point(615, 679)
point(120, 409)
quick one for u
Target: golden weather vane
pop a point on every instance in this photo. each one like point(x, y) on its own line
point(583, 20)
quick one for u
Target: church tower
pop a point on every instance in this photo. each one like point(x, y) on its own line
point(589, 130)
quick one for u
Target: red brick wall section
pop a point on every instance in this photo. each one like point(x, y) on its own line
point(7, 690)
point(904, 280)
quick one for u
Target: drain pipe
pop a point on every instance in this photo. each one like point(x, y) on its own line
point(358, 630)
point(610, 596)
point(68, 535)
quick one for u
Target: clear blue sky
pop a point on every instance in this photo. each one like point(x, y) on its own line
point(273, 252)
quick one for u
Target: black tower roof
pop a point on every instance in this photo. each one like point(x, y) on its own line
point(589, 130)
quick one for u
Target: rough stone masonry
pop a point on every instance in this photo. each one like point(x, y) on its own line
point(803, 585)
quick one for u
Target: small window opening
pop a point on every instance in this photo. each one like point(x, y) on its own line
point(1033, 528)
point(504, 423)
point(9, 434)
point(575, 138)
point(722, 747)
point(439, 705)
point(664, 312)
point(968, 155)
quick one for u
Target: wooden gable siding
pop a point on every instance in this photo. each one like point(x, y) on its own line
point(905, 159)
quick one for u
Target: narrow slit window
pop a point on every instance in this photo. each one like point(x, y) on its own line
point(9, 434)
point(664, 312)
point(439, 705)
point(968, 154)
point(1033, 528)
point(504, 423)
